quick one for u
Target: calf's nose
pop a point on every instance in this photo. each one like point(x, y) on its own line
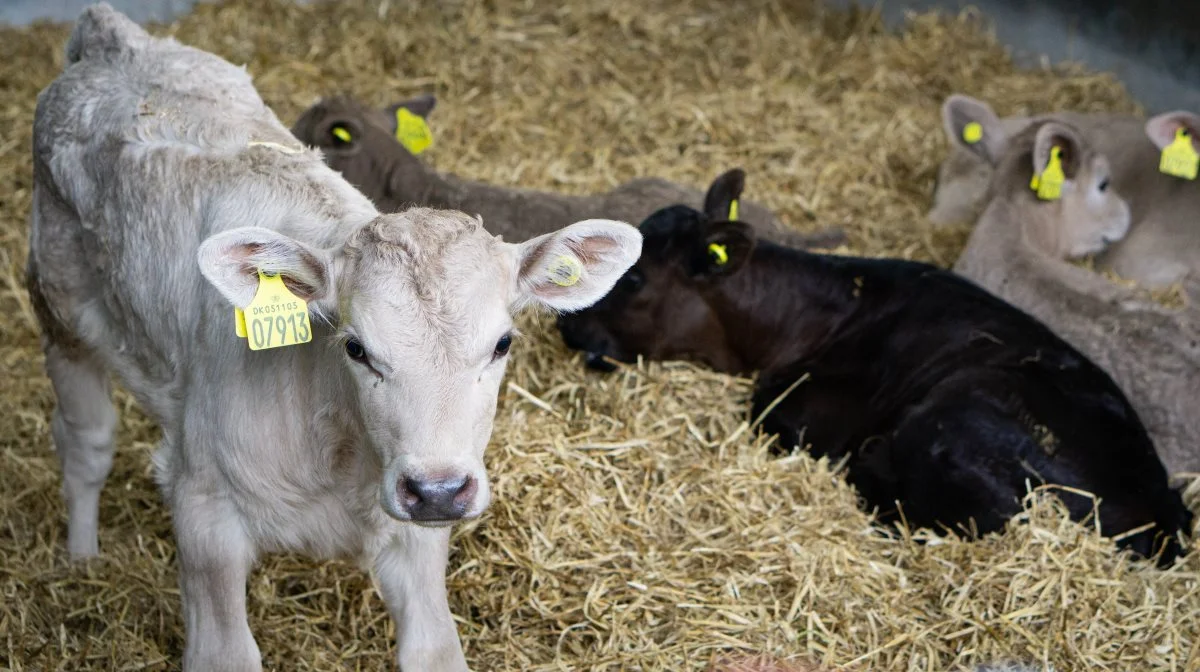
point(437, 499)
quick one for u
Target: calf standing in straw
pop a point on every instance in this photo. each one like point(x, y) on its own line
point(363, 435)
point(374, 150)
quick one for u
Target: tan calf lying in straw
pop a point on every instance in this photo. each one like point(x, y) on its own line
point(1163, 244)
point(165, 195)
point(361, 143)
point(1018, 251)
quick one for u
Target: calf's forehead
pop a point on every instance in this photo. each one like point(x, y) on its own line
point(429, 269)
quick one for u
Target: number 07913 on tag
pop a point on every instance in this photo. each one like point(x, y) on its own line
point(276, 318)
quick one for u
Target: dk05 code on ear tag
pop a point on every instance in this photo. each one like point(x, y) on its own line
point(276, 318)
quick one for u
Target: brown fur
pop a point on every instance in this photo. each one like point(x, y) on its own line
point(1162, 246)
point(1152, 353)
point(393, 179)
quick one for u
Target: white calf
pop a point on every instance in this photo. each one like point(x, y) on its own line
point(366, 441)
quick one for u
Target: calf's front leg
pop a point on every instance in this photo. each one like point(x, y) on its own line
point(215, 557)
point(411, 569)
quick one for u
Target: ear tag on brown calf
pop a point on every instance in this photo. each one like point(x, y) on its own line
point(719, 253)
point(341, 134)
point(1048, 184)
point(565, 271)
point(972, 133)
point(733, 210)
point(412, 131)
point(275, 317)
point(1179, 158)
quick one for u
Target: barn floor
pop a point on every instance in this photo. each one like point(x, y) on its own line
point(637, 522)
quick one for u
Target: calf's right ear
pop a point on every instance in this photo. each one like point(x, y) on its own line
point(972, 125)
point(1069, 142)
point(230, 261)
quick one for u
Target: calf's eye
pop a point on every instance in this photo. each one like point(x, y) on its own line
point(1103, 186)
point(355, 350)
point(502, 346)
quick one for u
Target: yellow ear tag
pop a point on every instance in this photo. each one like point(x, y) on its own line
point(972, 133)
point(733, 210)
point(1179, 158)
point(412, 131)
point(239, 322)
point(1048, 185)
point(341, 134)
point(719, 253)
point(276, 317)
point(565, 271)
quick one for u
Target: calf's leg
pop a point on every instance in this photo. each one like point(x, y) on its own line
point(82, 426)
point(411, 570)
point(215, 557)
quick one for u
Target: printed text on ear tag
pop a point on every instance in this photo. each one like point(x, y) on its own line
point(276, 317)
point(1179, 158)
point(1048, 184)
point(239, 322)
point(565, 271)
point(719, 254)
point(733, 210)
point(412, 131)
point(972, 133)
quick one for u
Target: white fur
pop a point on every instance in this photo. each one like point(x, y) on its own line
point(151, 211)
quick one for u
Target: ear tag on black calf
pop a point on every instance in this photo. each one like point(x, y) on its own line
point(412, 131)
point(275, 317)
point(718, 253)
point(1179, 158)
point(733, 210)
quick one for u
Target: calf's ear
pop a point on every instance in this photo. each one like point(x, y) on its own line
point(722, 193)
point(575, 267)
point(972, 125)
point(724, 248)
point(1069, 142)
point(420, 105)
point(1162, 128)
point(230, 261)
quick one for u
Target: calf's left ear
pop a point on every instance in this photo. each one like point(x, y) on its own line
point(1162, 129)
point(575, 267)
point(722, 195)
point(724, 248)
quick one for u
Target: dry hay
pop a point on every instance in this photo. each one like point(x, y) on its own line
point(637, 523)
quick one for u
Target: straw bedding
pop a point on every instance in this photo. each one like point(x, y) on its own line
point(638, 522)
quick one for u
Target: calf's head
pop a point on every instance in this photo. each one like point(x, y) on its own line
point(978, 140)
point(360, 143)
point(665, 306)
point(1089, 215)
point(419, 311)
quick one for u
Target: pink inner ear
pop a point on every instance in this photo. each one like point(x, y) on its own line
point(1161, 130)
point(589, 249)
